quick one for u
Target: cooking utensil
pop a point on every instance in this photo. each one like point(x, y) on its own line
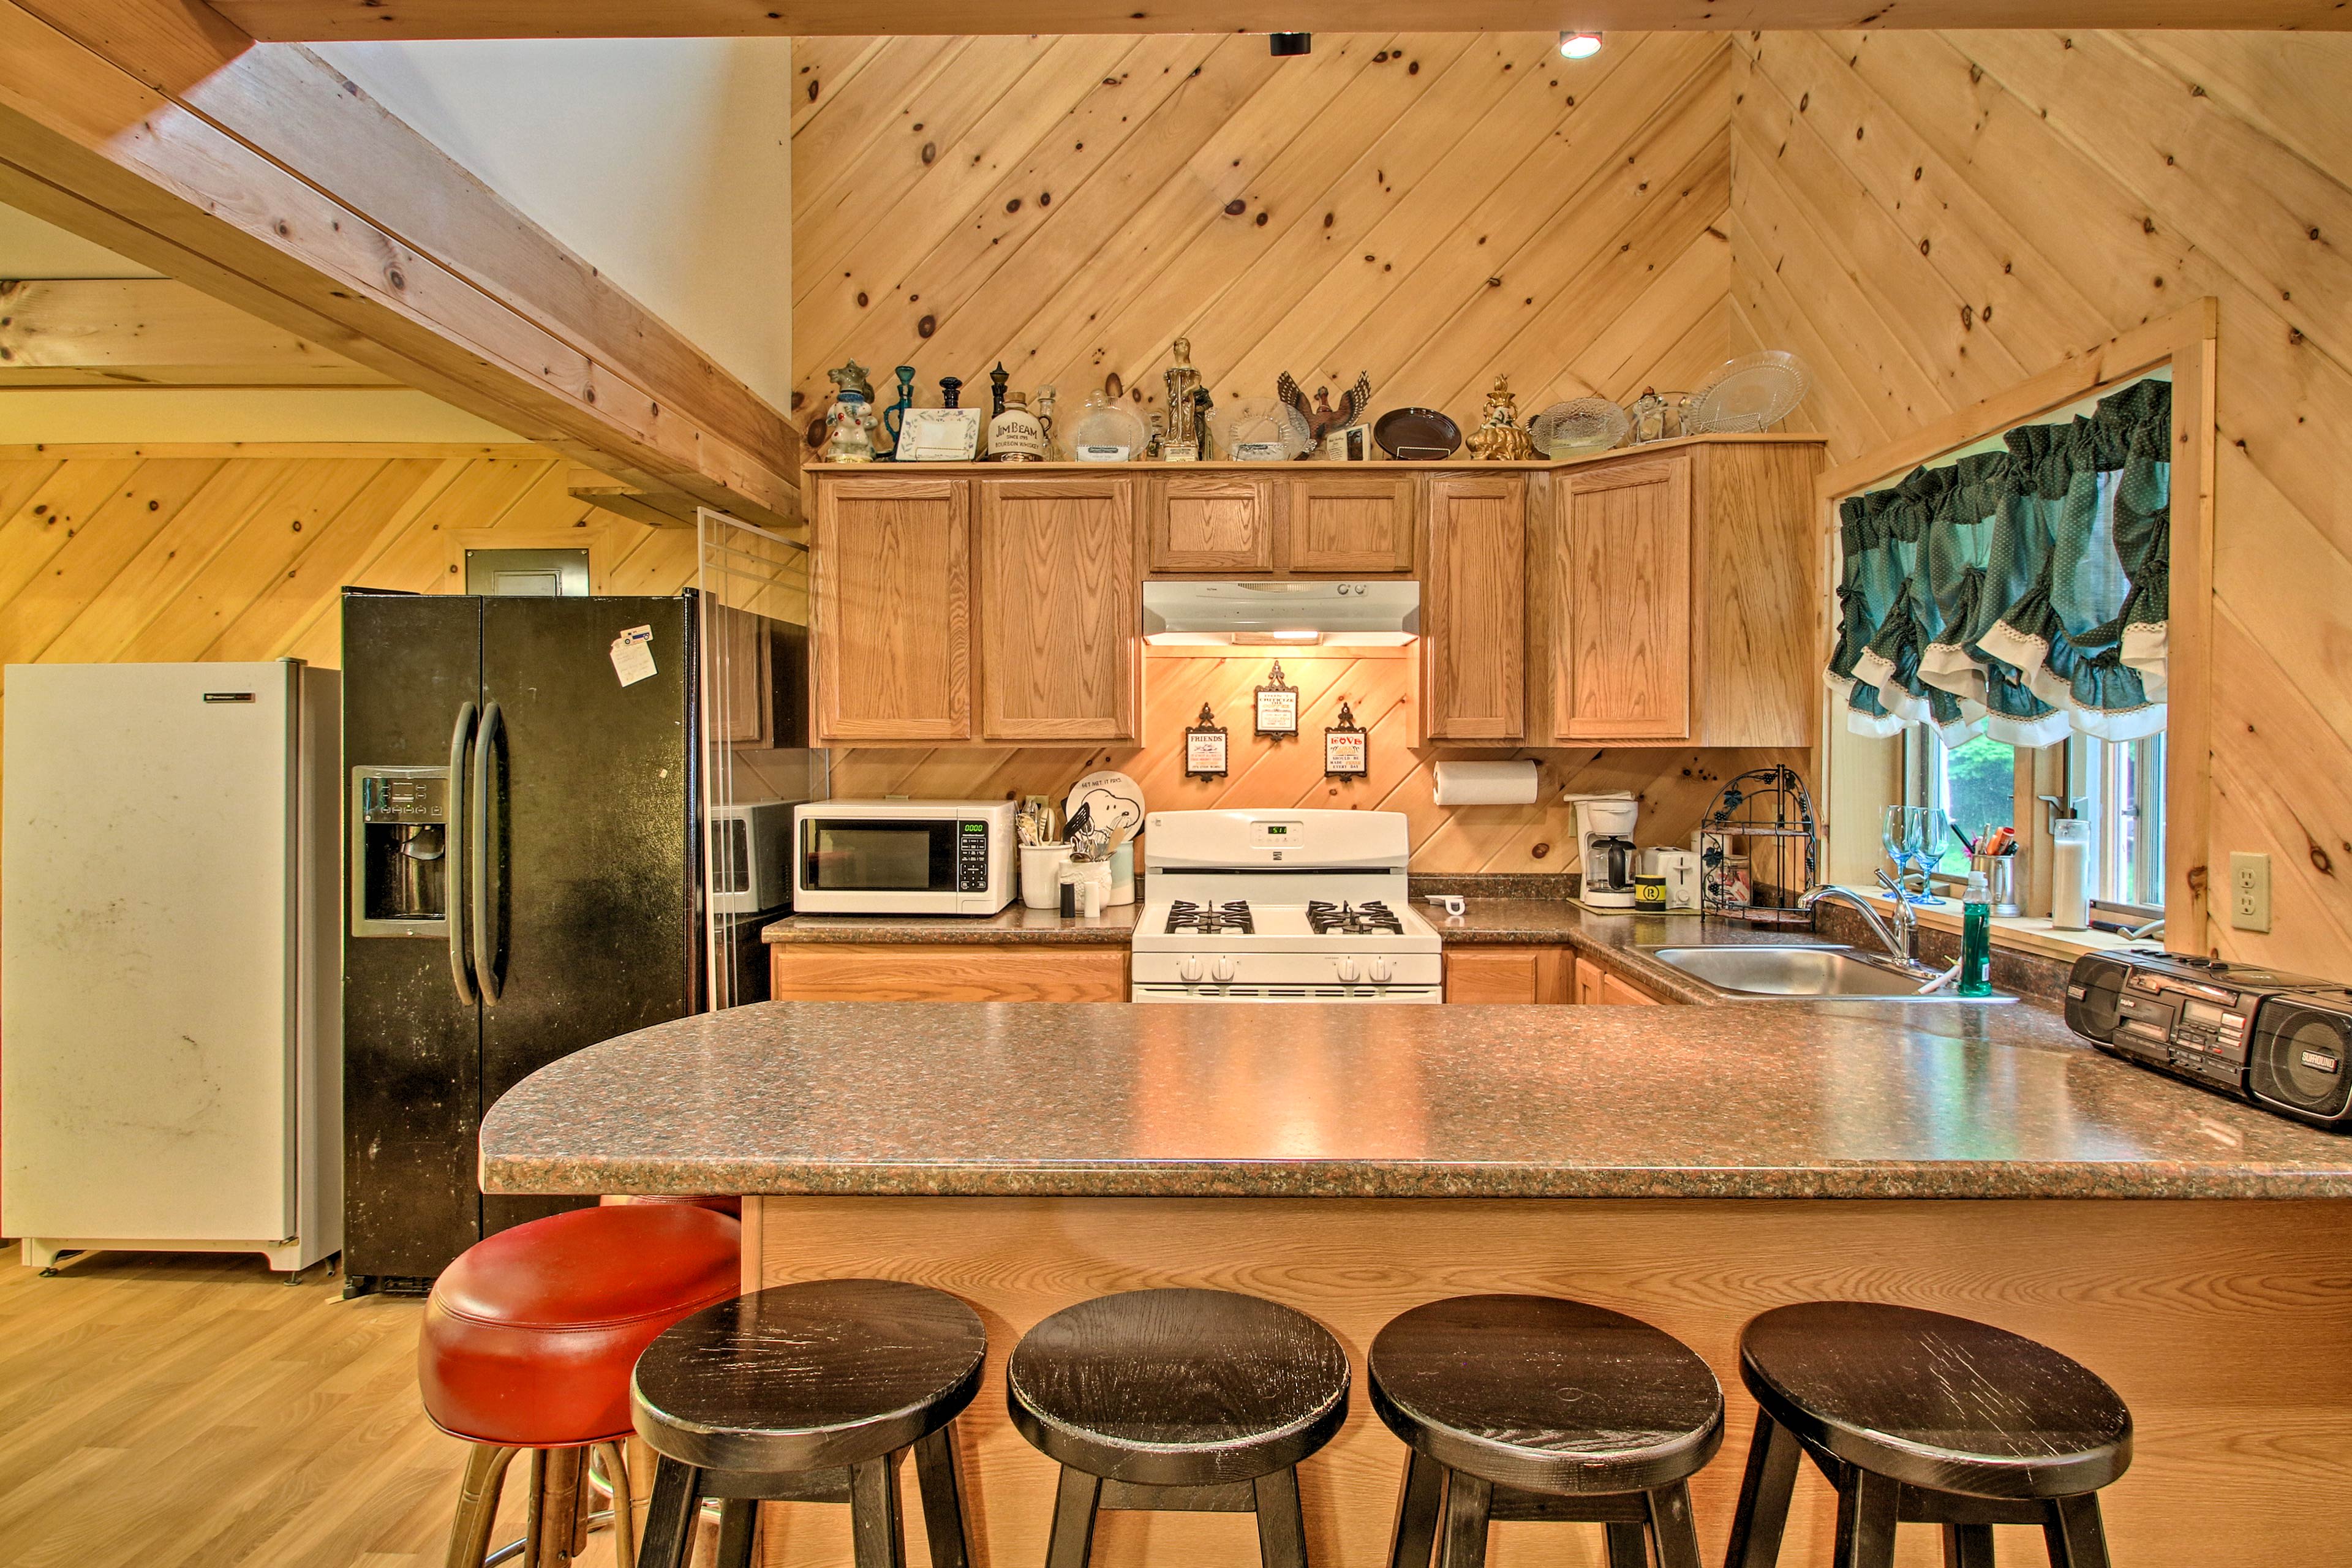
point(1417, 433)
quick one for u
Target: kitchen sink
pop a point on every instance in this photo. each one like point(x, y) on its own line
point(1830, 973)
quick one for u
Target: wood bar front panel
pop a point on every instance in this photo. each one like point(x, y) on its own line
point(1473, 609)
point(1624, 605)
point(1348, 523)
point(2223, 1325)
point(893, 610)
point(943, 971)
point(1210, 522)
point(1061, 611)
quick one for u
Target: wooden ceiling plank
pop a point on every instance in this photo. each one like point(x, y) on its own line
point(1856, 415)
point(822, 67)
point(108, 331)
point(341, 19)
point(21, 478)
point(96, 553)
point(181, 195)
point(52, 515)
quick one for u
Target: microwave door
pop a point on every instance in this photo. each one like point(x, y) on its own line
point(874, 856)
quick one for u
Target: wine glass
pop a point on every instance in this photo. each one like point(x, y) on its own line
point(1923, 830)
point(1893, 834)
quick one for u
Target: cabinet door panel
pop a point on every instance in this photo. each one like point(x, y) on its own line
point(1622, 579)
point(1061, 611)
point(1349, 522)
point(893, 607)
point(1211, 523)
point(1474, 613)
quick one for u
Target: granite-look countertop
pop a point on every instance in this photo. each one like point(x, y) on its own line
point(1759, 1100)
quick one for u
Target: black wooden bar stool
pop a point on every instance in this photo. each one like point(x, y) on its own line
point(1919, 1418)
point(809, 1394)
point(1202, 1401)
point(1530, 1407)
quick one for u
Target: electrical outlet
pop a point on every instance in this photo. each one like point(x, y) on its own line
point(2249, 891)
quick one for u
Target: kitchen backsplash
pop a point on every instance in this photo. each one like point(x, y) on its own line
point(1379, 684)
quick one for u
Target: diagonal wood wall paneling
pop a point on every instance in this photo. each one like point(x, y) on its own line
point(1928, 217)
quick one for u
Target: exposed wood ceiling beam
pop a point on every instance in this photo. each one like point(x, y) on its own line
point(264, 178)
point(295, 20)
point(152, 332)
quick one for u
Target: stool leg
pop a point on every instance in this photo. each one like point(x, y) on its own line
point(1072, 1545)
point(1671, 1529)
point(941, 1474)
point(1765, 1489)
point(738, 1519)
point(1468, 1498)
point(1628, 1547)
point(2075, 1534)
point(1967, 1546)
point(551, 1535)
point(477, 1504)
point(670, 1516)
point(1866, 1521)
point(1281, 1526)
point(874, 1521)
point(624, 1507)
point(1420, 1499)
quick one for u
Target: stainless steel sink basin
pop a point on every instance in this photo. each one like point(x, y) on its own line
point(1770, 973)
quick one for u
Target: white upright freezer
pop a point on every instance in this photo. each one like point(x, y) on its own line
point(171, 1043)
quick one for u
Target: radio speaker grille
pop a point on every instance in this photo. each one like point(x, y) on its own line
point(2301, 1059)
point(2094, 993)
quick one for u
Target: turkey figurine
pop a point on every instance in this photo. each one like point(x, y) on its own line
point(1322, 418)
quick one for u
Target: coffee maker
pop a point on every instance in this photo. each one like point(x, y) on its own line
point(1604, 839)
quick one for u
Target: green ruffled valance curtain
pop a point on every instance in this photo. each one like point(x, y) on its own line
point(2021, 594)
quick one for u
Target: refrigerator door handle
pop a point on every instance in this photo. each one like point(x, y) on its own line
point(486, 934)
point(453, 840)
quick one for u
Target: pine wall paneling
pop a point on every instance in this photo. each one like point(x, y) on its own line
point(1928, 217)
point(1433, 209)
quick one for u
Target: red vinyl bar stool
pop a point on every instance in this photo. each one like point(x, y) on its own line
point(529, 1342)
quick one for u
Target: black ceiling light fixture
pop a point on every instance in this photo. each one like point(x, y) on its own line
point(1282, 46)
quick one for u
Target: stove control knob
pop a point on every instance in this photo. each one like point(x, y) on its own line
point(1347, 969)
point(1223, 972)
point(1190, 969)
point(1382, 971)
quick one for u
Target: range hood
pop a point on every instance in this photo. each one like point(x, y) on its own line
point(1284, 614)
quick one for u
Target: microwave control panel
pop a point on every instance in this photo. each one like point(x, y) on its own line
point(971, 856)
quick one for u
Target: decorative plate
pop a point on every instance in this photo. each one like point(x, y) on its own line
point(1114, 802)
point(1752, 392)
point(1260, 430)
point(1417, 433)
point(1578, 426)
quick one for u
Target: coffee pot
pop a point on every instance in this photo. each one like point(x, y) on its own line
point(1604, 837)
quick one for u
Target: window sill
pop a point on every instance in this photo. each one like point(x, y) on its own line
point(2022, 933)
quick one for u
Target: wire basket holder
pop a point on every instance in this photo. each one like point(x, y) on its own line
point(1765, 816)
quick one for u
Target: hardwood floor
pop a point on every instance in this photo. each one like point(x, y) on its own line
point(166, 1409)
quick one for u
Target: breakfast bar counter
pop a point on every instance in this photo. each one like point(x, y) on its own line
point(1690, 1166)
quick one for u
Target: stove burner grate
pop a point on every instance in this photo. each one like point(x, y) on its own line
point(1229, 918)
point(1368, 919)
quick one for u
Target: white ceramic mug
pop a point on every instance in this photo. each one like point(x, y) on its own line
point(1041, 874)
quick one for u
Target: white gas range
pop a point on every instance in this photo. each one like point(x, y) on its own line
point(1281, 906)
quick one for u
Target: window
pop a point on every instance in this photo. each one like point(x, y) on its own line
point(2122, 782)
point(2120, 785)
point(1976, 785)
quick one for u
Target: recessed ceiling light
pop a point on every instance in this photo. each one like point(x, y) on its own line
point(1580, 46)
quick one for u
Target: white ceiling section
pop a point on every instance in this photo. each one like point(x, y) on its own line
point(666, 163)
point(31, 248)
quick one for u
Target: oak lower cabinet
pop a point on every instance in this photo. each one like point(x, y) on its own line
point(943, 971)
point(1210, 522)
point(1354, 524)
point(1509, 974)
point(1060, 611)
point(1675, 595)
point(1473, 609)
point(890, 607)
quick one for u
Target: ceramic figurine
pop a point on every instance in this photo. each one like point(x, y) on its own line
point(996, 380)
point(895, 417)
point(1015, 436)
point(950, 388)
point(1184, 427)
point(1322, 419)
point(1498, 438)
point(849, 429)
point(851, 379)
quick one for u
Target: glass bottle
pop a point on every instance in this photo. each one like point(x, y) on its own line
point(1015, 436)
point(1976, 937)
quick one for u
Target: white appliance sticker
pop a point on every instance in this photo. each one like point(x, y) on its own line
point(633, 655)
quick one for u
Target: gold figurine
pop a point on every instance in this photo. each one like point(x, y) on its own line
point(1499, 438)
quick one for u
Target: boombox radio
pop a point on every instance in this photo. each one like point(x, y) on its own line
point(2282, 1041)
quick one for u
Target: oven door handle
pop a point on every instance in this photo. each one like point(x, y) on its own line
point(453, 838)
point(488, 775)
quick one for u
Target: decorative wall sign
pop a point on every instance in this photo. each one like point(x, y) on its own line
point(1347, 749)
point(1204, 748)
point(939, 435)
point(1277, 707)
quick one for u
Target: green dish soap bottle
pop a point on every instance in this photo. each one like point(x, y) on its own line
point(1975, 938)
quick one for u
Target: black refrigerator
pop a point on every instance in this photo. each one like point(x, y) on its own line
point(522, 881)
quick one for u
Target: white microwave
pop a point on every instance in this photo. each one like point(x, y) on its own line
point(902, 857)
point(751, 856)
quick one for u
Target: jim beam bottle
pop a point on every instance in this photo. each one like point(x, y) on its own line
point(1015, 435)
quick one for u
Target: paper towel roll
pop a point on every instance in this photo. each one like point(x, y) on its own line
point(1486, 783)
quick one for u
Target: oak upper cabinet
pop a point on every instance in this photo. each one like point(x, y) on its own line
point(1061, 610)
point(1350, 524)
point(1675, 595)
point(1473, 609)
point(1210, 522)
point(891, 605)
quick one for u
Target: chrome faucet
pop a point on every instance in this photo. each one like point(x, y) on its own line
point(1901, 940)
